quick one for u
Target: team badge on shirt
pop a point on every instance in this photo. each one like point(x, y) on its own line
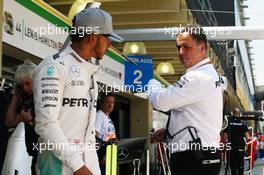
point(75, 70)
point(50, 71)
point(180, 83)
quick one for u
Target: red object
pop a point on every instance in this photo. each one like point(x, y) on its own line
point(261, 138)
point(253, 152)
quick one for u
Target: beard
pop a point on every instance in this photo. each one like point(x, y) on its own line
point(98, 57)
point(99, 52)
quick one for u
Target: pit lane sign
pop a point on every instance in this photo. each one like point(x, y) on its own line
point(28, 31)
point(137, 76)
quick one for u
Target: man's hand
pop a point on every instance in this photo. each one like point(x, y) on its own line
point(18, 90)
point(158, 136)
point(83, 171)
point(25, 116)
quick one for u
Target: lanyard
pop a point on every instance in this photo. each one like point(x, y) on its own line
point(188, 127)
point(183, 72)
point(209, 62)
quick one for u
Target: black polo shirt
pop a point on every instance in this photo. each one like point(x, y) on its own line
point(236, 132)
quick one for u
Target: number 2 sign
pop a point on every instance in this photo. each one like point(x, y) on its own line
point(137, 76)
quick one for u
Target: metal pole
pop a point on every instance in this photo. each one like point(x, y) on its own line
point(166, 159)
point(147, 162)
point(212, 33)
point(162, 159)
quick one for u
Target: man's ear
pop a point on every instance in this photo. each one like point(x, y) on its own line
point(202, 48)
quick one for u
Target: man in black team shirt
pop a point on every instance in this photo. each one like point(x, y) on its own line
point(236, 131)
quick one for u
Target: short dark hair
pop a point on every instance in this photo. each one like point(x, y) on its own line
point(104, 96)
point(196, 32)
point(75, 36)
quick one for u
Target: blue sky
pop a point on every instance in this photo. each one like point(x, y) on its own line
point(255, 12)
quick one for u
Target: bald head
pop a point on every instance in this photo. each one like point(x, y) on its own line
point(236, 112)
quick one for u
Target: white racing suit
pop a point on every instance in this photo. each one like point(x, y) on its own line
point(65, 93)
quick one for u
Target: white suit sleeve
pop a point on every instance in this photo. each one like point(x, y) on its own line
point(185, 91)
point(48, 86)
point(99, 122)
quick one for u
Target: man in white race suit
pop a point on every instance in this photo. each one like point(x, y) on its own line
point(65, 93)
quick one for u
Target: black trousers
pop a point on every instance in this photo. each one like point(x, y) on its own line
point(237, 162)
point(102, 156)
point(185, 163)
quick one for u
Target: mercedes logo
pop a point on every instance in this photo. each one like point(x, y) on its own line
point(123, 153)
point(75, 70)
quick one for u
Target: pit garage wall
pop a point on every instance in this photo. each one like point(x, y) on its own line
point(242, 88)
point(142, 113)
point(25, 26)
point(244, 80)
point(141, 117)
